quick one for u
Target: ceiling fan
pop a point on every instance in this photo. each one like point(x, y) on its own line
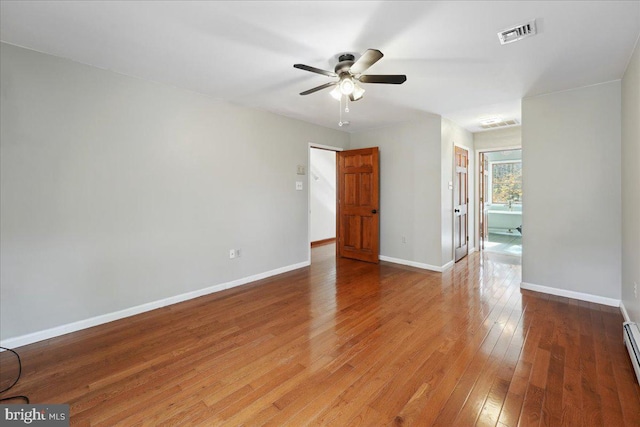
point(349, 73)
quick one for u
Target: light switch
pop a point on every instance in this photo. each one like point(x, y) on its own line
point(301, 170)
point(299, 185)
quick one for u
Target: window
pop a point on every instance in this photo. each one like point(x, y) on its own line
point(506, 182)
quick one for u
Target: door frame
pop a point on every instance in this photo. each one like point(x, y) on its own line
point(321, 147)
point(483, 188)
point(478, 190)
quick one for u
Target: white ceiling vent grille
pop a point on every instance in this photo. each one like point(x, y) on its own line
point(504, 123)
point(520, 32)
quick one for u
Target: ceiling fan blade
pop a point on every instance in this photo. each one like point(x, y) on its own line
point(370, 57)
point(315, 89)
point(394, 79)
point(315, 70)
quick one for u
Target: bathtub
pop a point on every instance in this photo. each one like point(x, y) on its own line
point(501, 219)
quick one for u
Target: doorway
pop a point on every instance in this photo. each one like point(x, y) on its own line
point(344, 215)
point(322, 194)
point(501, 198)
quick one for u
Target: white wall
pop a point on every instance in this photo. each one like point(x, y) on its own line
point(631, 185)
point(117, 191)
point(454, 135)
point(410, 191)
point(322, 179)
point(510, 137)
point(571, 184)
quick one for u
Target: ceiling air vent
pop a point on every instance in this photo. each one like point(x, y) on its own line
point(500, 124)
point(520, 32)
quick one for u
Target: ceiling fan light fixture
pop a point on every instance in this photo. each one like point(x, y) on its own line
point(347, 86)
point(336, 94)
point(357, 92)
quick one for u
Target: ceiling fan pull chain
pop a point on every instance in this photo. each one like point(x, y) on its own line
point(346, 104)
point(340, 122)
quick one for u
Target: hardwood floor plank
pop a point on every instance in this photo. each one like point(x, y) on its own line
point(591, 404)
point(502, 380)
point(480, 392)
point(552, 405)
point(512, 406)
point(611, 409)
point(343, 342)
point(532, 406)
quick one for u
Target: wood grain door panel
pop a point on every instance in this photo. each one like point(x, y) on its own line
point(358, 199)
point(460, 203)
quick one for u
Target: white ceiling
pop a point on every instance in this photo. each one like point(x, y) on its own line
point(244, 52)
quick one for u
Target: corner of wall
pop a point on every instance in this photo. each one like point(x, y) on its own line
point(630, 148)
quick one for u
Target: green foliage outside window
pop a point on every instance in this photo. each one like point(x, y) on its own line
point(506, 183)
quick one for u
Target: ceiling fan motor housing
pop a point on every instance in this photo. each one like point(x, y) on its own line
point(345, 61)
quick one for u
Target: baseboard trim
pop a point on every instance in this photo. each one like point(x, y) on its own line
point(571, 294)
point(415, 264)
point(323, 242)
point(132, 311)
point(623, 310)
point(448, 265)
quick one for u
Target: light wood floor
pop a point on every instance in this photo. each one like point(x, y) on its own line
point(348, 343)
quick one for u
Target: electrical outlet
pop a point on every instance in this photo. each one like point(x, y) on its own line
point(232, 253)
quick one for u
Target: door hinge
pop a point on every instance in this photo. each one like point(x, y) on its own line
point(467, 238)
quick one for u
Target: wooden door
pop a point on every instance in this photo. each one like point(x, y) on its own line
point(460, 202)
point(484, 188)
point(358, 219)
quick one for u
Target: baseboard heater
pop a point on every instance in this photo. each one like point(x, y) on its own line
point(631, 335)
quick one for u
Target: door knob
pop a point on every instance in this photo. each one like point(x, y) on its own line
point(374, 211)
point(456, 210)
